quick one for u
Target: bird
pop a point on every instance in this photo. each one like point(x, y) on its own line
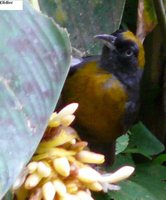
point(107, 89)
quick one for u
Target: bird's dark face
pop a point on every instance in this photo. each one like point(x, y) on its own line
point(122, 55)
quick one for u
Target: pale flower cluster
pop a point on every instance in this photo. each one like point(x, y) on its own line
point(61, 168)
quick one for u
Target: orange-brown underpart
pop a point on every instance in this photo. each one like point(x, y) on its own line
point(101, 99)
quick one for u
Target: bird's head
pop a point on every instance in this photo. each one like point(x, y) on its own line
point(123, 53)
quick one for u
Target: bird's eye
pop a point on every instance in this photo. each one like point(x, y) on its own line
point(128, 52)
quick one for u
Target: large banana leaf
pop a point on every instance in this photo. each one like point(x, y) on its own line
point(34, 60)
point(85, 18)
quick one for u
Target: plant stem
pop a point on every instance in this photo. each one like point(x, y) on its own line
point(160, 12)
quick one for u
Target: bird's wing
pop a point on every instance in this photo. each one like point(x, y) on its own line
point(77, 63)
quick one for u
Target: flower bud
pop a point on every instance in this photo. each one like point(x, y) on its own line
point(88, 175)
point(32, 166)
point(48, 191)
point(62, 166)
point(68, 110)
point(43, 169)
point(94, 186)
point(84, 195)
point(79, 146)
point(90, 157)
point(67, 120)
point(63, 135)
point(119, 175)
point(54, 121)
point(69, 197)
point(59, 187)
point(32, 181)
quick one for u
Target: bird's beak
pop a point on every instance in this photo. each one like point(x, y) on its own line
point(109, 40)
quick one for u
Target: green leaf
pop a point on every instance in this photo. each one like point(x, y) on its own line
point(143, 141)
point(85, 18)
point(121, 160)
point(151, 170)
point(35, 55)
point(131, 191)
point(160, 159)
point(152, 177)
point(148, 183)
point(121, 143)
point(100, 196)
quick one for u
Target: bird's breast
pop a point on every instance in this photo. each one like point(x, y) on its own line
point(101, 97)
